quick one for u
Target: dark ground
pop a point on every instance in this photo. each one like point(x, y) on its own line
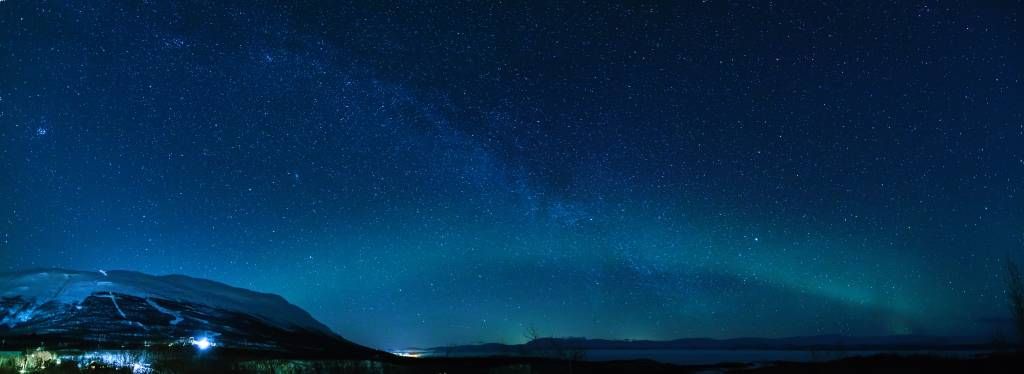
point(994, 363)
point(235, 363)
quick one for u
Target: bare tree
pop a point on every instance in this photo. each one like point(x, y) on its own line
point(1015, 291)
point(531, 334)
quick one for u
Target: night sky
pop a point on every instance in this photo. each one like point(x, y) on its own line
point(418, 174)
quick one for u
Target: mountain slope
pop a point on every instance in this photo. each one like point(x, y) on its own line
point(130, 308)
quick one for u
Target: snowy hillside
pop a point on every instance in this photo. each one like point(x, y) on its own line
point(72, 287)
point(127, 307)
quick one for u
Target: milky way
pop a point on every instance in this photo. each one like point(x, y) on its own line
point(415, 174)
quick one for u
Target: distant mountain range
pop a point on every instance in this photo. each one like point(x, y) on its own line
point(817, 342)
point(77, 309)
point(74, 309)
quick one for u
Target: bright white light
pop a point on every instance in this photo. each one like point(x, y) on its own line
point(408, 353)
point(202, 343)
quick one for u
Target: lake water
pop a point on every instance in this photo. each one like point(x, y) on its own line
point(708, 357)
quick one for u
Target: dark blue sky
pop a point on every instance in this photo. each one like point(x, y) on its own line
point(422, 174)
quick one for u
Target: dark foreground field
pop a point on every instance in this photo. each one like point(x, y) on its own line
point(41, 361)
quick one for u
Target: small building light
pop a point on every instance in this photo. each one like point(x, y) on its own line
point(202, 343)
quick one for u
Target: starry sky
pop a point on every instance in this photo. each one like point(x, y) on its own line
point(420, 173)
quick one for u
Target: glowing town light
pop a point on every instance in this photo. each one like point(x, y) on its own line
point(202, 343)
point(407, 354)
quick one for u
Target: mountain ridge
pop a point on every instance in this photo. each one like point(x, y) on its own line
point(825, 341)
point(127, 308)
point(179, 288)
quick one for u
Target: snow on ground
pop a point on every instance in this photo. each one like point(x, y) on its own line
point(73, 287)
point(177, 316)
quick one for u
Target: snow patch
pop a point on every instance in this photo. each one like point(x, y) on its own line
point(16, 316)
point(113, 299)
point(177, 316)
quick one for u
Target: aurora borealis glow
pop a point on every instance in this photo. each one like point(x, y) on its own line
point(415, 174)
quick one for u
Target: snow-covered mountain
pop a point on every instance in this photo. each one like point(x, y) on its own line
point(128, 308)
